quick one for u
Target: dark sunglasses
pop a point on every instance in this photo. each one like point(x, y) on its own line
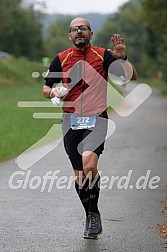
point(80, 27)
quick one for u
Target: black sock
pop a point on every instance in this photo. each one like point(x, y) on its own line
point(94, 189)
point(83, 194)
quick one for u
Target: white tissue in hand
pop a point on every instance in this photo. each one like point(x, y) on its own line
point(63, 91)
point(56, 100)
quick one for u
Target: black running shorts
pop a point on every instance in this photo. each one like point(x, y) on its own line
point(78, 141)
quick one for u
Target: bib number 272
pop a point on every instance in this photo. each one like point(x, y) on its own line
point(82, 122)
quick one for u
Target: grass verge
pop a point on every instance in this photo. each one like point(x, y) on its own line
point(18, 129)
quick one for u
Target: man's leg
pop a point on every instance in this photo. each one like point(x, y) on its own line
point(71, 140)
point(90, 161)
point(81, 186)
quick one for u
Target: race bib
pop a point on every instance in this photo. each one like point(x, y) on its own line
point(82, 122)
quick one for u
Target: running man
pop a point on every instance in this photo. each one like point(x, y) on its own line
point(84, 71)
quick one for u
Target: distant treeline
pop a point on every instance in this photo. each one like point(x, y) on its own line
point(142, 23)
point(20, 33)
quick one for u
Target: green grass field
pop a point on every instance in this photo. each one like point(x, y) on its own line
point(18, 129)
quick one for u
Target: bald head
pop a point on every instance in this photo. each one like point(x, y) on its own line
point(79, 21)
point(80, 33)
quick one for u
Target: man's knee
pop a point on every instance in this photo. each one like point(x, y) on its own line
point(90, 160)
point(89, 167)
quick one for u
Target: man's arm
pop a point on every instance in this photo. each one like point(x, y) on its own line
point(134, 76)
point(50, 79)
point(46, 91)
point(119, 52)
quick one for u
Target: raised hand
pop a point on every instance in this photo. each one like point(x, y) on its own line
point(119, 51)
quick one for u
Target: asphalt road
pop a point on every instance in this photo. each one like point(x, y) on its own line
point(35, 221)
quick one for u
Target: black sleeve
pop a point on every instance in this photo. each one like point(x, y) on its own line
point(108, 59)
point(54, 73)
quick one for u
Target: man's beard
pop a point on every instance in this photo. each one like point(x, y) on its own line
point(81, 42)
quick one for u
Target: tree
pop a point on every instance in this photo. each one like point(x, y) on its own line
point(127, 22)
point(57, 39)
point(155, 13)
point(20, 33)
